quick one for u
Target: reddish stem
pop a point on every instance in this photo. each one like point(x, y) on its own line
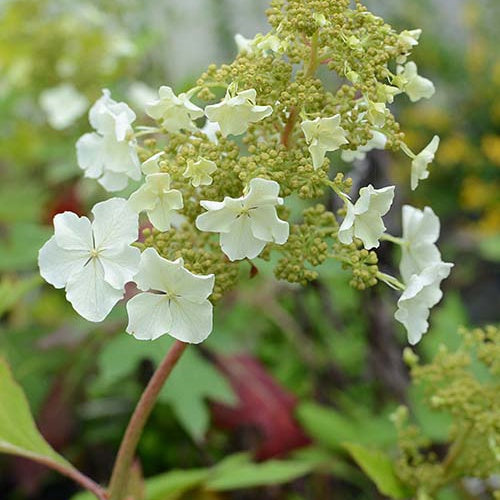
point(138, 420)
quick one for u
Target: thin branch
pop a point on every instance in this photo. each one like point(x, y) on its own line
point(75, 475)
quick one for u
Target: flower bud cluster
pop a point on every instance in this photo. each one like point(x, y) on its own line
point(463, 383)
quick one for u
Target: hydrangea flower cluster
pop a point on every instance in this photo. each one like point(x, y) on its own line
point(224, 162)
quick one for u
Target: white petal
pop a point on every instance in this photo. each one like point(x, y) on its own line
point(120, 265)
point(155, 272)
point(193, 287)
point(216, 221)
point(89, 153)
point(91, 297)
point(112, 181)
point(115, 224)
point(166, 206)
point(369, 228)
point(239, 242)
point(346, 229)
point(57, 265)
point(262, 191)
point(121, 157)
point(148, 316)
point(318, 153)
point(142, 199)
point(191, 322)
point(267, 226)
point(73, 232)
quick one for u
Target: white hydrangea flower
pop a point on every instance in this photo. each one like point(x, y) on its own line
point(421, 294)
point(152, 164)
point(386, 93)
point(210, 129)
point(246, 224)
point(199, 171)
point(260, 44)
point(158, 200)
point(420, 163)
point(410, 38)
point(377, 141)
point(415, 86)
point(63, 105)
point(93, 261)
point(375, 112)
point(420, 233)
point(109, 154)
point(322, 135)
point(182, 309)
point(174, 112)
point(364, 219)
point(236, 111)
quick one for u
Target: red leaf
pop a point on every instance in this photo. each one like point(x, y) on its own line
point(263, 405)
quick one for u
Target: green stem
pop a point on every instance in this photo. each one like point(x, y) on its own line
point(293, 115)
point(138, 420)
point(391, 281)
point(393, 239)
point(313, 61)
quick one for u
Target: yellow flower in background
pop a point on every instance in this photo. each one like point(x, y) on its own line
point(478, 194)
point(454, 149)
point(490, 146)
point(490, 221)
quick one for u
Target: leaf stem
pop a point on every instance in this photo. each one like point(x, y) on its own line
point(138, 420)
point(75, 474)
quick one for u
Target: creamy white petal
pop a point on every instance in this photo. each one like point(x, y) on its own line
point(112, 181)
point(120, 264)
point(369, 228)
point(72, 232)
point(239, 242)
point(216, 221)
point(143, 199)
point(89, 154)
point(91, 297)
point(346, 229)
point(161, 215)
point(267, 226)
point(261, 192)
point(121, 157)
point(422, 292)
point(57, 265)
point(115, 223)
point(191, 322)
point(151, 166)
point(193, 287)
point(149, 316)
point(318, 154)
point(155, 272)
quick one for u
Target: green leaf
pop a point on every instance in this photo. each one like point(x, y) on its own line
point(172, 485)
point(489, 248)
point(379, 468)
point(330, 428)
point(251, 475)
point(19, 251)
point(192, 381)
point(18, 432)
point(13, 289)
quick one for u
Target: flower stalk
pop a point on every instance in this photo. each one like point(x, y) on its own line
point(138, 420)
